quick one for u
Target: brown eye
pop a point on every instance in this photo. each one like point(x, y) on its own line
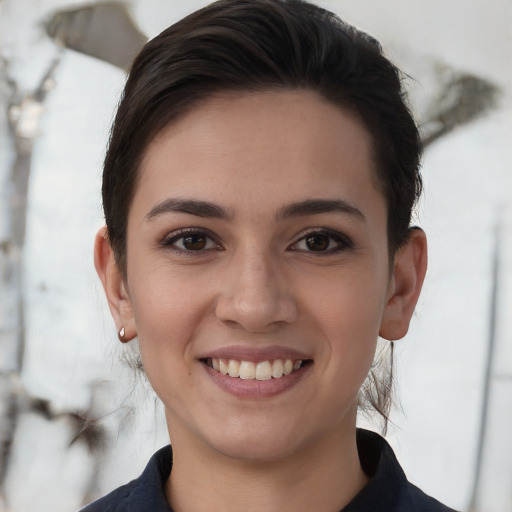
point(188, 241)
point(323, 241)
point(195, 242)
point(317, 242)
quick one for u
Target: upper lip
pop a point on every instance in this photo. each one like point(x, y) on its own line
point(255, 354)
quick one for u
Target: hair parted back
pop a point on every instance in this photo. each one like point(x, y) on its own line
point(262, 45)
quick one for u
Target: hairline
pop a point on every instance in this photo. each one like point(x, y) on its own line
point(226, 91)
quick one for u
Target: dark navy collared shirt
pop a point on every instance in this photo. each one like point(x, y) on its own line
point(387, 490)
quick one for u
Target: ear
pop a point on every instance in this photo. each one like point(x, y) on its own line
point(410, 265)
point(114, 285)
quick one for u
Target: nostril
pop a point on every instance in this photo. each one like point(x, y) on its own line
point(255, 314)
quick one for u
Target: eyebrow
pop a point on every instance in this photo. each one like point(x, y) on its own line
point(210, 210)
point(319, 206)
point(190, 207)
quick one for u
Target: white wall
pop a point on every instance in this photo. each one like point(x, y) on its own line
point(72, 358)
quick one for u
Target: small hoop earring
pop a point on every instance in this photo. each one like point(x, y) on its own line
point(122, 335)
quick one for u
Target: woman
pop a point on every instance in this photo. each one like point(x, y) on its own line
point(257, 190)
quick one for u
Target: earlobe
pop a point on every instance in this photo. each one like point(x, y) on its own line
point(409, 270)
point(114, 285)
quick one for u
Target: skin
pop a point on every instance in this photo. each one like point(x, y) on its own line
point(257, 284)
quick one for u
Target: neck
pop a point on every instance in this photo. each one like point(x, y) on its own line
point(324, 476)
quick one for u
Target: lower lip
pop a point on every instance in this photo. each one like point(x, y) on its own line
point(256, 388)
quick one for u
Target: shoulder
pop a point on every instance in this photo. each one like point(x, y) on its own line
point(115, 501)
point(415, 499)
point(142, 494)
point(388, 489)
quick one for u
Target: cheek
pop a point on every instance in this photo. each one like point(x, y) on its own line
point(349, 301)
point(165, 327)
point(165, 318)
point(171, 307)
point(348, 315)
point(163, 296)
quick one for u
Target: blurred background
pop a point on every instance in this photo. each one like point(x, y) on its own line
point(75, 420)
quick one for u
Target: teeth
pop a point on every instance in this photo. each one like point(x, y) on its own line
point(233, 368)
point(277, 369)
point(223, 367)
point(264, 370)
point(247, 370)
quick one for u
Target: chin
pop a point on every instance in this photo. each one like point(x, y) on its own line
point(265, 444)
point(255, 450)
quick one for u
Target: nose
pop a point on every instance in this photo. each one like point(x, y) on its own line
point(255, 294)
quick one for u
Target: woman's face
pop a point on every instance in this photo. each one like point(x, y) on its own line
point(257, 243)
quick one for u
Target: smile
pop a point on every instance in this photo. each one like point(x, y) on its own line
point(248, 370)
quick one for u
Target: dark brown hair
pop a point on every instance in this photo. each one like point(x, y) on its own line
point(260, 45)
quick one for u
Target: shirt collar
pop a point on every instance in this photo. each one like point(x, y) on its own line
point(382, 492)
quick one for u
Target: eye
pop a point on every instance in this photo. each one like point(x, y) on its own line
point(322, 241)
point(190, 241)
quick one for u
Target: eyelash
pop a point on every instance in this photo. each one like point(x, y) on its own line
point(169, 242)
point(341, 241)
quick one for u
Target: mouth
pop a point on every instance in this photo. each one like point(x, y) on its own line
point(250, 370)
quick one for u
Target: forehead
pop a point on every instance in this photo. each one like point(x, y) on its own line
point(258, 143)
